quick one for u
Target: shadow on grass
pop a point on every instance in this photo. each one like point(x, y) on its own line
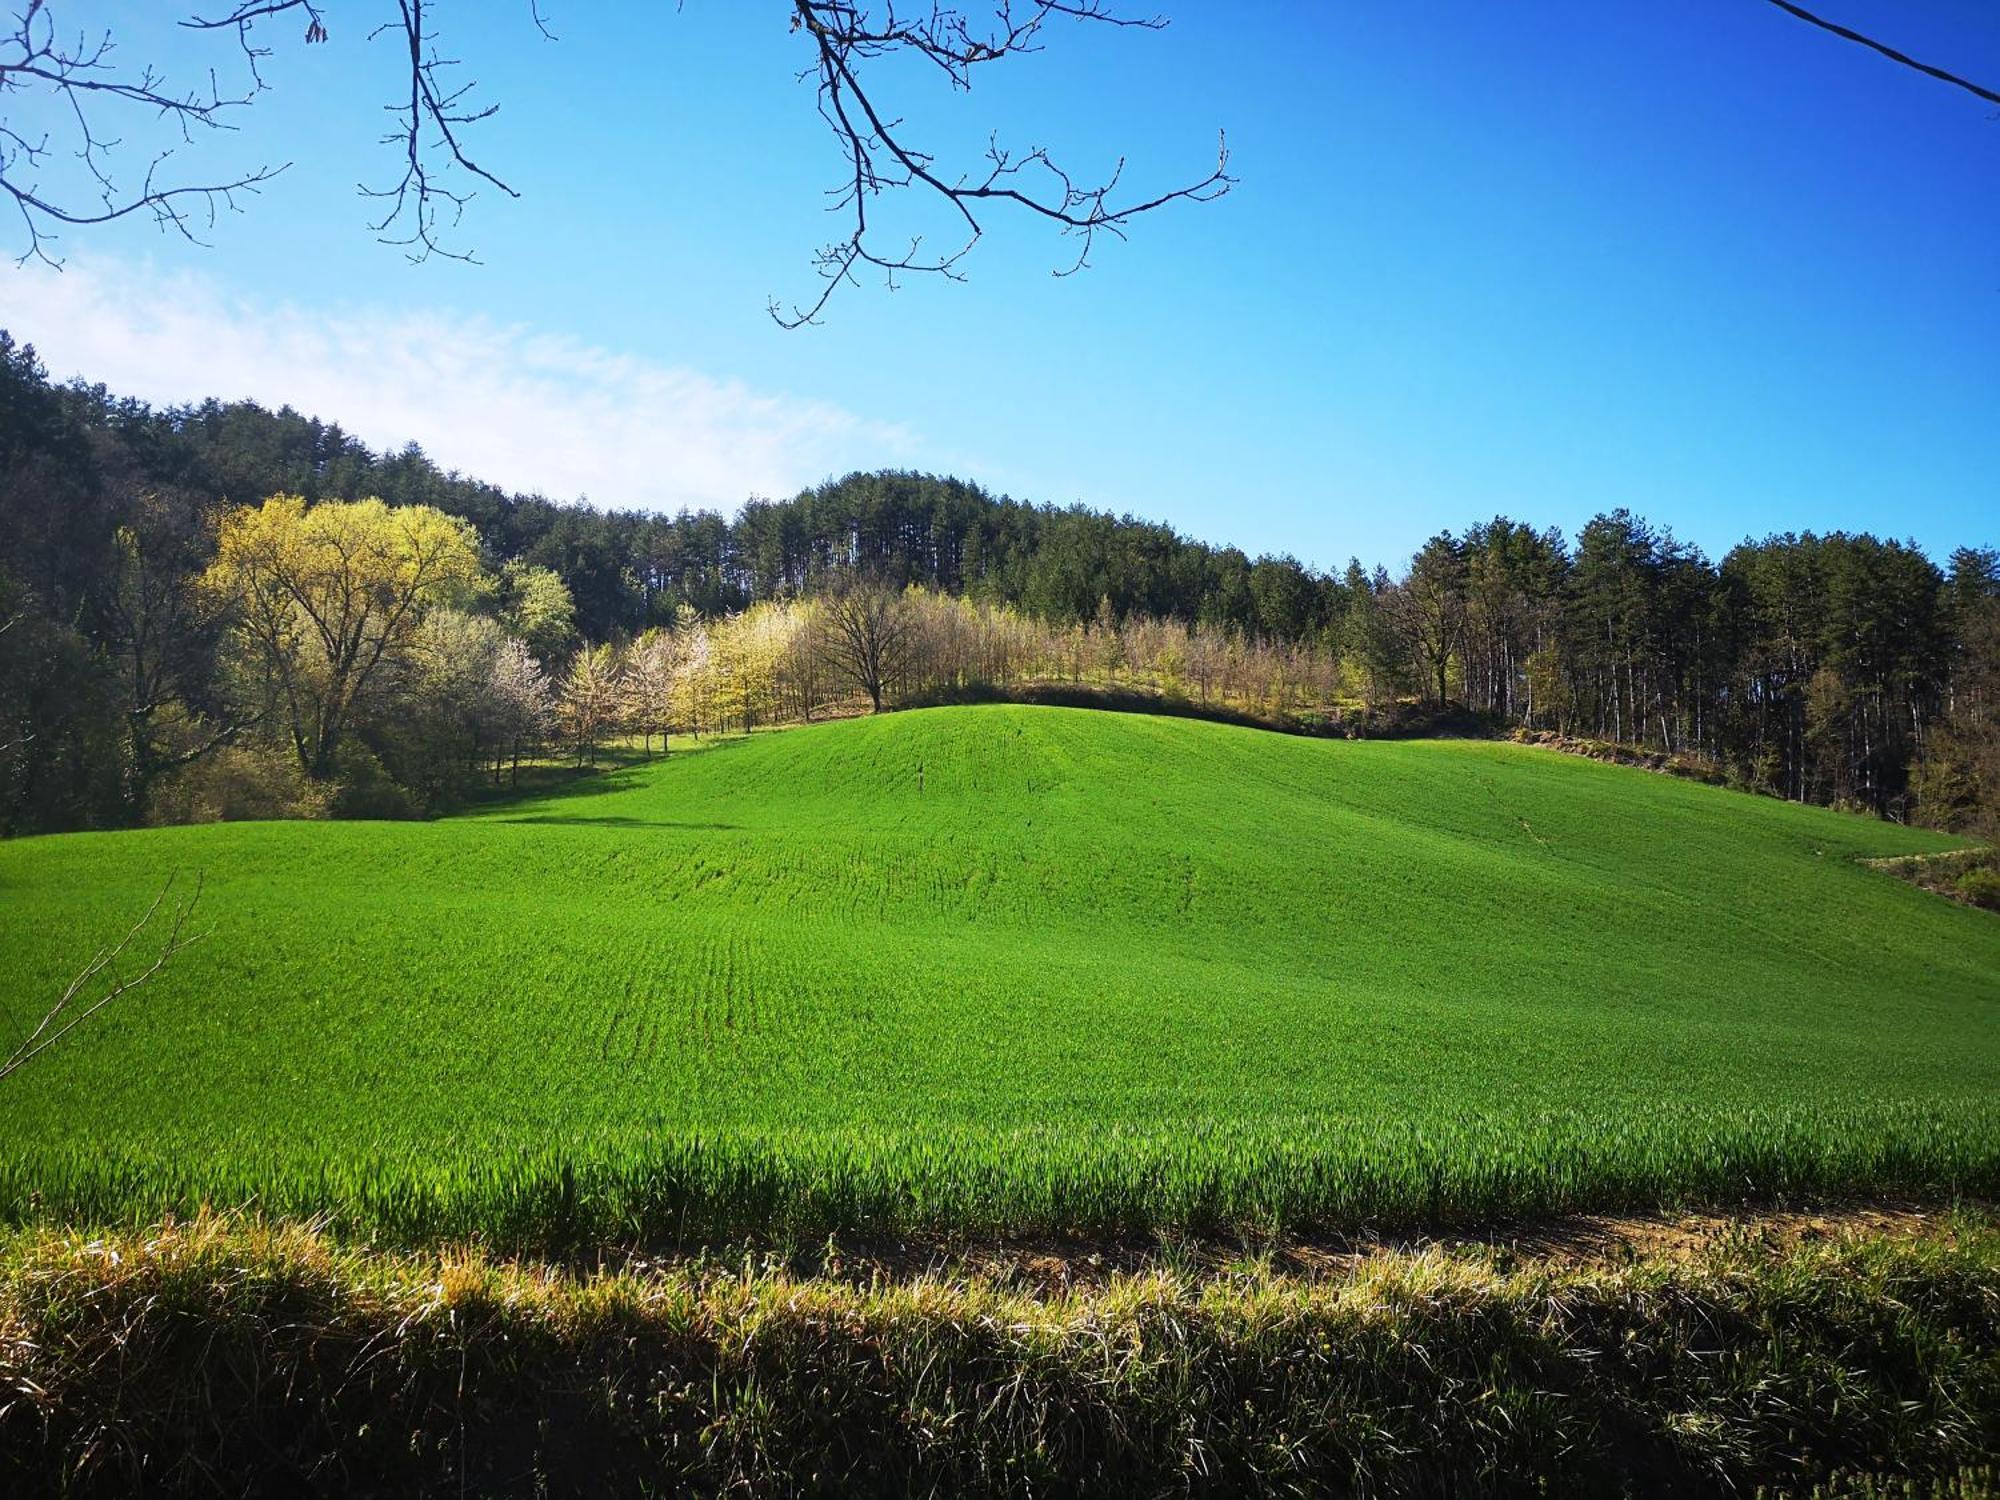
point(1393, 721)
point(541, 784)
point(618, 769)
point(1079, 695)
point(557, 819)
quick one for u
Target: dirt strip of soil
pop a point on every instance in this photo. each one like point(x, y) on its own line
point(1056, 1264)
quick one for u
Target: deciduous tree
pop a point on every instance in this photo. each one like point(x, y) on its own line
point(589, 702)
point(535, 605)
point(323, 596)
point(523, 705)
point(866, 632)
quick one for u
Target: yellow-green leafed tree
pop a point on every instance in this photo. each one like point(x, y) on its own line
point(732, 697)
point(326, 596)
point(693, 688)
point(649, 685)
point(750, 654)
point(592, 695)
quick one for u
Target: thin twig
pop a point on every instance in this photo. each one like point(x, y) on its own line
point(64, 1017)
point(848, 35)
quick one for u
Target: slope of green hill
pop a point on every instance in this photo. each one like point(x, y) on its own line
point(1013, 967)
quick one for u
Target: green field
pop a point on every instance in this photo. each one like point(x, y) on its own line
point(1005, 967)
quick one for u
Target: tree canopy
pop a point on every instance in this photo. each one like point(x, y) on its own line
point(325, 596)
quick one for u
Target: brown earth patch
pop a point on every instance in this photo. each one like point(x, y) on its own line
point(1054, 1265)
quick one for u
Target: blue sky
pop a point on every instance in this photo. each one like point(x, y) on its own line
point(1698, 259)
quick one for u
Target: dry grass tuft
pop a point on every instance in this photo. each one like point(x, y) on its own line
point(227, 1354)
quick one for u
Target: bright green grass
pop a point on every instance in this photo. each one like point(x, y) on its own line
point(991, 967)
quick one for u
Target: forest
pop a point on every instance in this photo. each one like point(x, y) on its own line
point(220, 611)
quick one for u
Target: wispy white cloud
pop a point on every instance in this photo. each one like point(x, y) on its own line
point(526, 409)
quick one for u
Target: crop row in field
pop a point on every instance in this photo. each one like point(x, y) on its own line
point(1202, 1175)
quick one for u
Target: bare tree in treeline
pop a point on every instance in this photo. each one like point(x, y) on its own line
point(866, 631)
point(1432, 609)
point(100, 982)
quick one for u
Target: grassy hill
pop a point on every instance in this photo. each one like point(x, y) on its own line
point(1013, 967)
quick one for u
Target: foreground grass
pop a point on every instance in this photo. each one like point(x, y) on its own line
point(1012, 968)
point(234, 1356)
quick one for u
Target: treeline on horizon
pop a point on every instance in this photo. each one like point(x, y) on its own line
point(1835, 668)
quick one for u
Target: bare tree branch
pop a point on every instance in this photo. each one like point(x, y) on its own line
point(75, 1006)
point(1889, 52)
point(424, 202)
point(847, 36)
point(433, 114)
point(81, 74)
